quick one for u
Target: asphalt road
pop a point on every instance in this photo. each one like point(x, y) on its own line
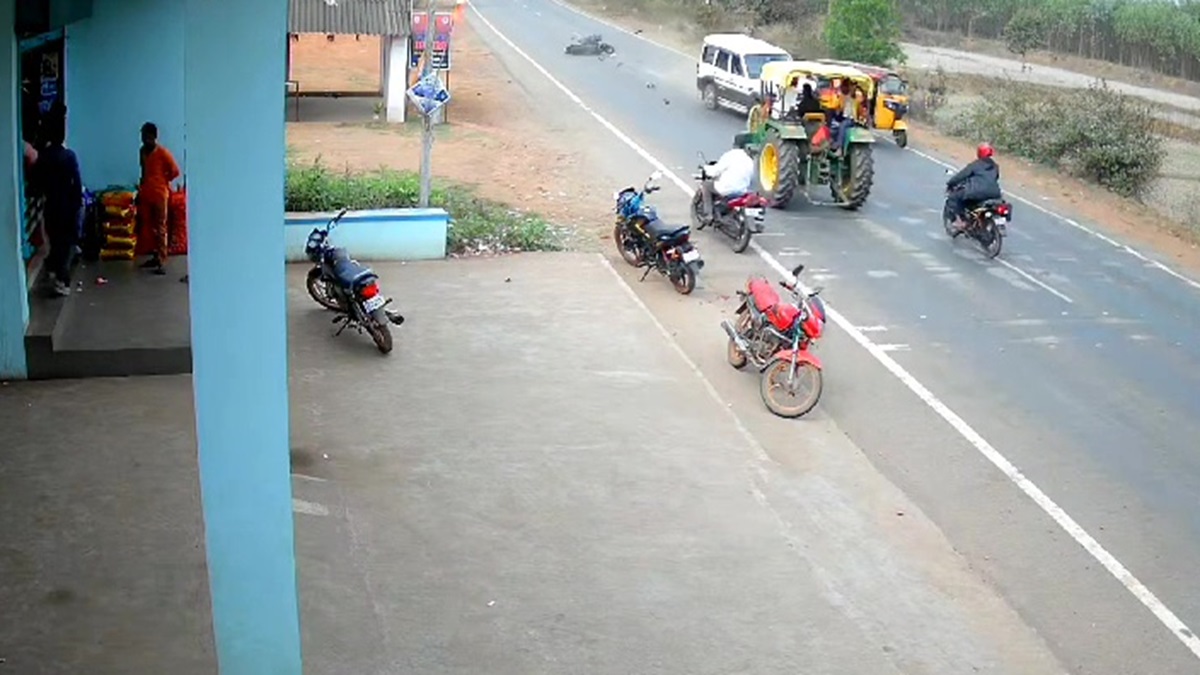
point(1074, 358)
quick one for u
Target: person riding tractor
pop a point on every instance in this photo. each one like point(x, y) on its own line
point(808, 128)
point(888, 101)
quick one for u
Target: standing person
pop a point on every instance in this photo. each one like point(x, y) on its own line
point(154, 189)
point(57, 177)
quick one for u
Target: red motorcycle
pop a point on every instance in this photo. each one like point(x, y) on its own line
point(777, 336)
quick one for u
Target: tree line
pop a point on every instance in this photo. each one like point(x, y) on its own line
point(1160, 35)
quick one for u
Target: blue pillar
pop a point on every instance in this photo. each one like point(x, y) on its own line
point(233, 111)
point(14, 302)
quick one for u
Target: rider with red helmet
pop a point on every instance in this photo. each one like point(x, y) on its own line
point(977, 182)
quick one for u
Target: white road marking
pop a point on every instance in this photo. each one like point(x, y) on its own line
point(882, 274)
point(1045, 286)
point(893, 347)
point(873, 329)
point(909, 220)
point(310, 508)
point(981, 444)
point(309, 478)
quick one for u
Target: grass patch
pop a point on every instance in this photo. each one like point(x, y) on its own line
point(477, 225)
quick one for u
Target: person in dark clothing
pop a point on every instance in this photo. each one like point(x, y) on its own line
point(977, 182)
point(57, 177)
point(808, 103)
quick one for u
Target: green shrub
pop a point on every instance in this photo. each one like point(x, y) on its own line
point(867, 31)
point(1096, 134)
point(476, 224)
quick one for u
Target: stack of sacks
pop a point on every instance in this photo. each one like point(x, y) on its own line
point(119, 223)
point(177, 222)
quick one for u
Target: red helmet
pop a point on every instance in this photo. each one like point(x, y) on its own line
point(984, 150)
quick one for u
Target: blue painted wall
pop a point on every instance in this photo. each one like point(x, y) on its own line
point(14, 306)
point(123, 68)
point(385, 234)
point(233, 74)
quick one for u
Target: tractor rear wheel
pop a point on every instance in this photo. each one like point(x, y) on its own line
point(856, 186)
point(779, 169)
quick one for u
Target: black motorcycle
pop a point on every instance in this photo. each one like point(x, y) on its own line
point(592, 45)
point(341, 284)
point(986, 223)
point(645, 241)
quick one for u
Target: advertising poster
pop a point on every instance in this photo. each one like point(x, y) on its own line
point(443, 28)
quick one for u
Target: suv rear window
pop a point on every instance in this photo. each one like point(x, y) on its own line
point(708, 54)
point(755, 62)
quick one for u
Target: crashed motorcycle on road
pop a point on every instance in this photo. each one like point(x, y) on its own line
point(591, 45)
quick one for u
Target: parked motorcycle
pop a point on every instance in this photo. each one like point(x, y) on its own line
point(591, 45)
point(738, 217)
point(777, 337)
point(643, 240)
point(986, 223)
point(341, 284)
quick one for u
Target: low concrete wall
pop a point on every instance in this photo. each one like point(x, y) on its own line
point(385, 234)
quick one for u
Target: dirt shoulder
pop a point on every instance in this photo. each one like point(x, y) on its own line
point(492, 139)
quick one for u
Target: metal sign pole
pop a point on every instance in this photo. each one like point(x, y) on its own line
point(427, 118)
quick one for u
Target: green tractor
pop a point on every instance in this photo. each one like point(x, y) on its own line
point(796, 151)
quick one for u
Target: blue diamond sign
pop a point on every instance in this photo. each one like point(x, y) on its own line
point(429, 94)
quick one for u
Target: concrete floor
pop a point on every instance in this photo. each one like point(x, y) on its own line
point(534, 481)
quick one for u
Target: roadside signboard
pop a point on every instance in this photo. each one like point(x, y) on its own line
point(443, 29)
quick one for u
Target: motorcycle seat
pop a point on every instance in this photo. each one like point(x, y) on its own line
point(350, 273)
point(665, 232)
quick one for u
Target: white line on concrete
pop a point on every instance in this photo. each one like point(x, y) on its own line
point(893, 347)
point(1045, 286)
point(310, 508)
point(873, 329)
point(309, 478)
point(1151, 262)
point(1048, 505)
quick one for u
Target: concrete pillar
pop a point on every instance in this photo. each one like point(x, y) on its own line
point(14, 301)
point(396, 87)
point(235, 139)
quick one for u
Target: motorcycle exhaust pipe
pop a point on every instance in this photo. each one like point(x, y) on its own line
point(733, 335)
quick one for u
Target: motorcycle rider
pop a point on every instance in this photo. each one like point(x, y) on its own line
point(977, 182)
point(729, 176)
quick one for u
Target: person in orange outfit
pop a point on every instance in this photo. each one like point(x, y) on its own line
point(154, 189)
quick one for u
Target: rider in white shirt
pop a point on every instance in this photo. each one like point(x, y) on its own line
point(731, 175)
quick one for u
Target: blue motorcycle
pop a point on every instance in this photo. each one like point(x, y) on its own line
point(643, 240)
point(343, 285)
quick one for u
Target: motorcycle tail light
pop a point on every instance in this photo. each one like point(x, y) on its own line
point(1002, 209)
point(370, 291)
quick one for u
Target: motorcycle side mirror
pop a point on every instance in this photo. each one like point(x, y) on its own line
point(799, 268)
point(816, 291)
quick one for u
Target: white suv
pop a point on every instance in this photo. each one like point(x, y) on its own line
point(729, 67)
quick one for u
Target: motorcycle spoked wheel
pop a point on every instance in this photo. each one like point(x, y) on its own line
point(624, 244)
point(378, 328)
point(742, 241)
point(683, 278)
point(319, 289)
point(991, 240)
point(777, 376)
point(735, 357)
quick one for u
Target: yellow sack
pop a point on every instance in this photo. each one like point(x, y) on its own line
point(116, 254)
point(116, 229)
point(115, 243)
point(121, 200)
point(118, 212)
